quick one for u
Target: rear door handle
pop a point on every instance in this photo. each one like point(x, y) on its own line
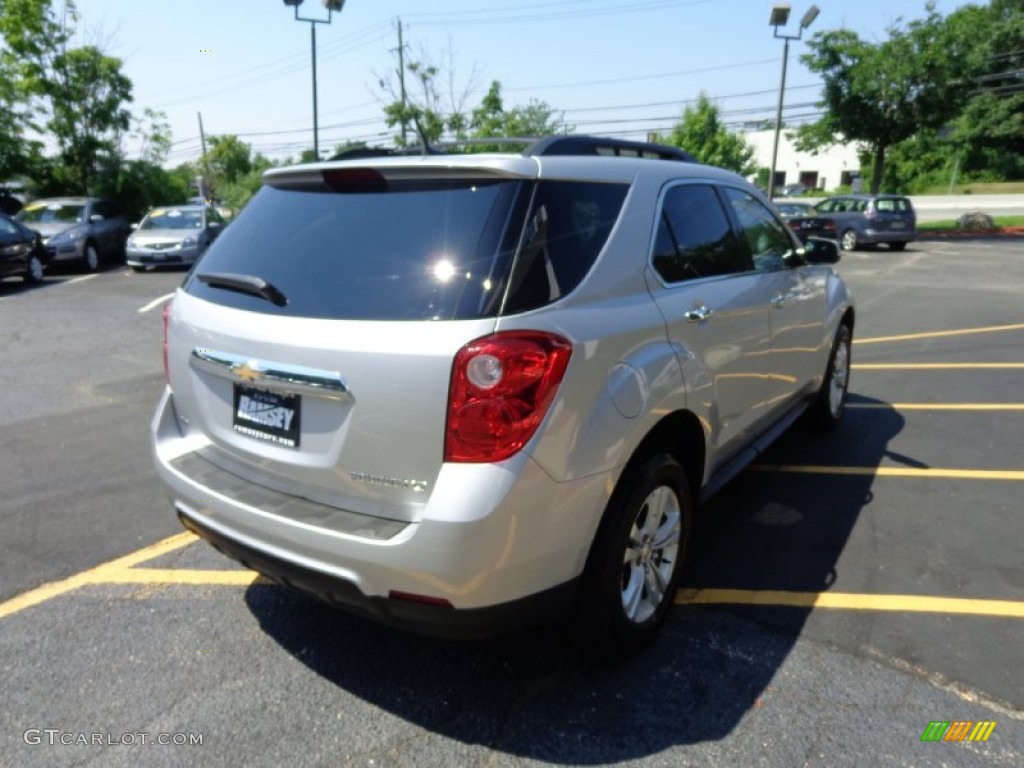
point(698, 314)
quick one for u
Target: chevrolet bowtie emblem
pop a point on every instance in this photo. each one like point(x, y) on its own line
point(249, 371)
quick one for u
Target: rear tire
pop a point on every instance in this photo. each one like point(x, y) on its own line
point(91, 257)
point(849, 240)
point(634, 565)
point(33, 271)
point(827, 409)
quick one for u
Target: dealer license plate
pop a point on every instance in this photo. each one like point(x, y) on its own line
point(267, 415)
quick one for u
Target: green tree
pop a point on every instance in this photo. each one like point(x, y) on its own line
point(535, 119)
point(424, 100)
point(87, 94)
point(229, 158)
point(77, 95)
point(702, 134)
point(989, 134)
point(880, 94)
point(32, 34)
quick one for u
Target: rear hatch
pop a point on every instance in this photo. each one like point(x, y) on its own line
point(310, 350)
point(892, 214)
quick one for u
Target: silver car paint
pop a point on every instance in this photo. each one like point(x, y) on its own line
point(485, 534)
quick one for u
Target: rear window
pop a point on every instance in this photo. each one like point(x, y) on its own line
point(421, 250)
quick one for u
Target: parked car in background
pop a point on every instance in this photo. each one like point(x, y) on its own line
point(805, 221)
point(9, 204)
point(795, 190)
point(21, 251)
point(871, 219)
point(173, 235)
point(464, 393)
point(88, 230)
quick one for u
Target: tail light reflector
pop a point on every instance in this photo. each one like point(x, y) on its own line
point(501, 388)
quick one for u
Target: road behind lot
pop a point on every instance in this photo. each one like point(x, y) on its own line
point(903, 525)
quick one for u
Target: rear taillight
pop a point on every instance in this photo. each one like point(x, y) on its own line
point(500, 390)
point(166, 316)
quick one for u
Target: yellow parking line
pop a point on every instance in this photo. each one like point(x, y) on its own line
point(936, 472)
point(936, 366)
point(95, 575)
point(937, 334)
point(180, 576)
point(942, 406)
point(1013, 609)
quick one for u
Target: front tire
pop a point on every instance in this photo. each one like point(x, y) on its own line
point(828, 407)
point(897, 246)
point(635, 561)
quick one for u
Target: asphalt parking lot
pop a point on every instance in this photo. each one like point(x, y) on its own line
point(842, 594)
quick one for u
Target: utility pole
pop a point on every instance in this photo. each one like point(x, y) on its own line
point(401, 76)
point(208, 191)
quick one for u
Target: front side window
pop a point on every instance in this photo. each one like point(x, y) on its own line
point(695, 238)
point(770, 244)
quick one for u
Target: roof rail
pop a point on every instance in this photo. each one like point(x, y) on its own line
point(552, 145)
point(600, 145)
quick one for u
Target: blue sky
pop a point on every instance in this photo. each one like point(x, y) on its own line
point(620, 67)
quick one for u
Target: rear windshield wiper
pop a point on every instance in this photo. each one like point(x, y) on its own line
point(250, 284)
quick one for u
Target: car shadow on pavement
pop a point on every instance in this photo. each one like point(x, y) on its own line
point(536, 694)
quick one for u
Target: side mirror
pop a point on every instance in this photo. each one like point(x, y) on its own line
point(133, 226)
point(818, 250)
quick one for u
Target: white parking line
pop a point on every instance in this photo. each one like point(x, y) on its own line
point(155, 303)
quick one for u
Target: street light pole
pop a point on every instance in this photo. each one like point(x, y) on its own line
point(779, 18)
point(332, 6)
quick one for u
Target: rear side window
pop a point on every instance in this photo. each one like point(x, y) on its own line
point(415, 250)
point(892, 205)
point(567, 226)
point(695, 238)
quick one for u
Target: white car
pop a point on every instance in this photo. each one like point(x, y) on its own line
point(172, 235)
point(463, 393)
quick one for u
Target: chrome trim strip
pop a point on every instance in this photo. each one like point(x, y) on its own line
point(272, 375)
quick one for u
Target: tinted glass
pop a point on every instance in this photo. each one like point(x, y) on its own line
point(695, 238)
point(421, 250)
point(567, 226)
point(767, 237)
point(417, 251)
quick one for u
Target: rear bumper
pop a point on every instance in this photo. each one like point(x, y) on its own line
point(889, 236)
point(493, 546)
point(437, 621)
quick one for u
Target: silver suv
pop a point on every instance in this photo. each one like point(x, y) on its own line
point(462, 393)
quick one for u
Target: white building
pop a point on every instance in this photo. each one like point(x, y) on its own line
point(829, 168)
